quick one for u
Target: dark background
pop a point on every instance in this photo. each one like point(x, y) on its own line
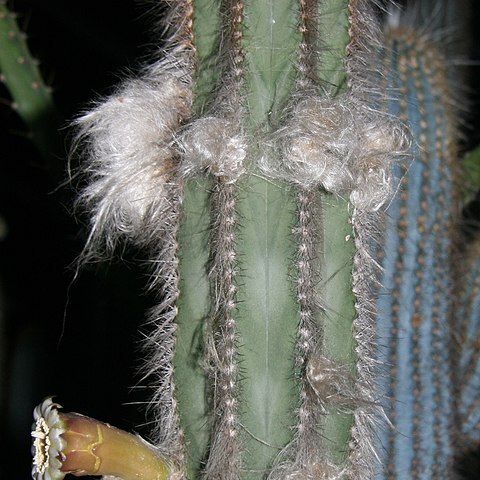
point(77, 337)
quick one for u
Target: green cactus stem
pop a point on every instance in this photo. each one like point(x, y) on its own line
point(251, 164)
point(471, 175)
point(32, 99)
point(266, 310)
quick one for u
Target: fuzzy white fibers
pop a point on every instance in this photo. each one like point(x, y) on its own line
point(331, 382)
point(213, 144)
point(133, 192)
point(343, 146)
point(315, 470)
point(128, 143)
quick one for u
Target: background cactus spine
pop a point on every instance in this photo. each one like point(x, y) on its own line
point(210, 147)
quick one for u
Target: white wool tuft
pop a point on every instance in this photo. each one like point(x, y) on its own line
point(312, 471)
point(343, 146)
point(128, 142)
point(214, 144)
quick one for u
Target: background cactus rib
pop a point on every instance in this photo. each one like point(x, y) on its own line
point(288, 174)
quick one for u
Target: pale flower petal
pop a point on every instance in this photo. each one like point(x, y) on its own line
point(47, 442)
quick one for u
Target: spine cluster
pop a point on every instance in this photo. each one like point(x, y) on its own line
point(224, 460)
point(145, 141)
point(134, 193)
point(469, 363)
point(415, 319)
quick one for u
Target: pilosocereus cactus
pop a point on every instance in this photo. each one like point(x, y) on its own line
point(254, 162)
point(417, 335)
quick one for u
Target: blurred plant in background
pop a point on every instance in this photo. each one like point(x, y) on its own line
point(77, 355)
point(55, 340)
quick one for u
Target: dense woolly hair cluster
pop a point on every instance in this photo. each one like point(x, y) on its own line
point(133, 192)
point(331, 382)
point(128, 140)
point(316, 470)
point(143, 142)
point(343, 146)
point(215, 145)
point(137, 142)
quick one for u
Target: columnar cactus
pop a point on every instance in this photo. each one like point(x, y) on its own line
point(32, 98)
point(469, 360)
point(256, 189)
point(253, 162)
point(416, 333)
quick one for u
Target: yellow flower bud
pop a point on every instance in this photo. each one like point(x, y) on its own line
point(72, 443)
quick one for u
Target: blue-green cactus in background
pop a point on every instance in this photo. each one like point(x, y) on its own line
point(416, 338)
point(468, 361)
point(253, 163)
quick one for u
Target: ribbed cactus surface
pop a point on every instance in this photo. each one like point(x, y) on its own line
point(31, 97)
point(253, 162)
point(254, 175)
point(468, 363)
point(249, 342)
point(416, 336)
